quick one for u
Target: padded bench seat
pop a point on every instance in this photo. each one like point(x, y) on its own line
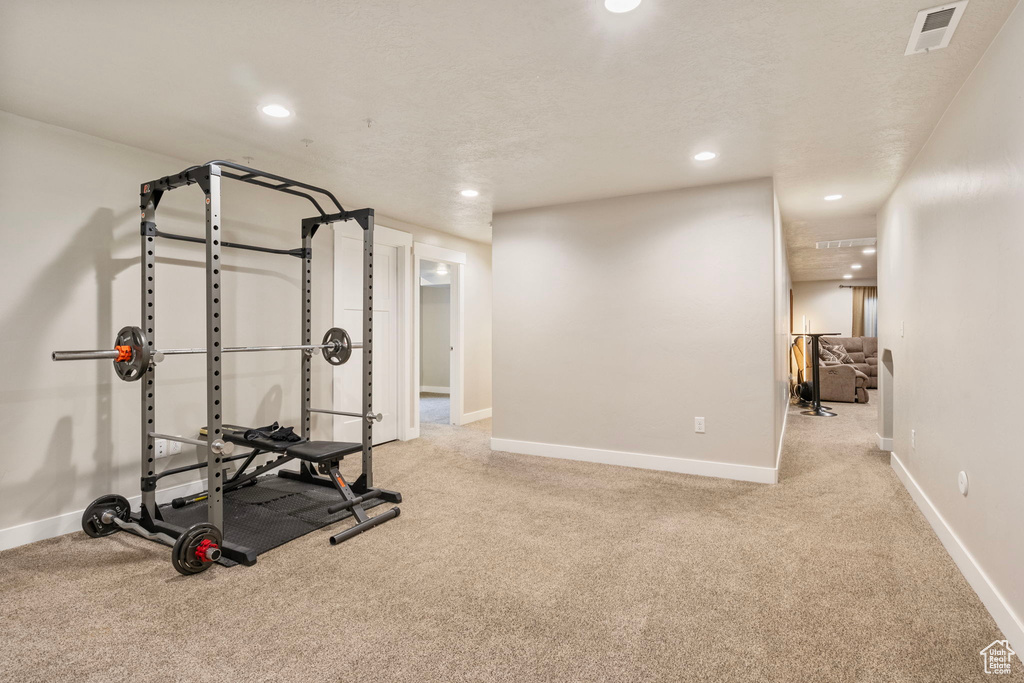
point(319, 451)
point(310, 451)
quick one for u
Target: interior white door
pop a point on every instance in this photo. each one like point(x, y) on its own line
point(348, 314)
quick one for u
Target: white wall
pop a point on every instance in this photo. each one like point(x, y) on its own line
point(826, 306)
point(435, 336)
point(69, 222)
point(951, 241)
point(618, 321)
point(783, 338)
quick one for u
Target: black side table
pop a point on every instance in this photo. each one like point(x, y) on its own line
point(801, 401)
point(816, 409)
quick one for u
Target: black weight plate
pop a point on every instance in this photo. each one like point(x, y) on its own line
point(92, 522)
point(337, 346)
point(132, 370)
point(183, 554)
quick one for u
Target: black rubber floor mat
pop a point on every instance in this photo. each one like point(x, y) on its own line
point(268, 514)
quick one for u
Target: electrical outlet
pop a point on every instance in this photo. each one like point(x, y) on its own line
point(173, 448)
point(698, 425)
point(901, 328)
point(160, 448)
point(913, 438)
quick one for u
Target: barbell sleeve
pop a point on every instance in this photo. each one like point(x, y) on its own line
point(86, 355)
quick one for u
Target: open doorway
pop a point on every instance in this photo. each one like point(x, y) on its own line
point(436, 381)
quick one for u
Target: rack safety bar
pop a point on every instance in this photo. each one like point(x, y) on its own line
point(369, 417)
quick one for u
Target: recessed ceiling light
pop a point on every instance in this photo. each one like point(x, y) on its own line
point(276, 110)
point(856, 266)
point(847, 277)
point(620, 6)
point(832, 197)
point(442, 269)
point(469, 193)
point(705, 156)
point(869, 250)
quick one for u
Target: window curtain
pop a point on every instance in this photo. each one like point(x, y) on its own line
point(865, 311)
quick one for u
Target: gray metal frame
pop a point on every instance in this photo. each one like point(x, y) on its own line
point(215, 501)
point(367, 225)
point(142, 357)
point(149, 325)
point(208, 177)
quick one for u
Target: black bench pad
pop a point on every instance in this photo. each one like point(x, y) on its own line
point(319, 451)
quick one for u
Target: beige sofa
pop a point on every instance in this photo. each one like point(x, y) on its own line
point(849, 382)
point(863, 351)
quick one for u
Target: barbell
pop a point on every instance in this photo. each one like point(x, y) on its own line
point(132, 356)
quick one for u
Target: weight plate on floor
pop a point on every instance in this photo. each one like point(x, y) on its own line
point(337, 346)
point(92, 518)
point(183, 554)
point(133, 369)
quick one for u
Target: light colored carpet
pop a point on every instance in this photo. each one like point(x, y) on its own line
point(515, 568)
point(435, 408)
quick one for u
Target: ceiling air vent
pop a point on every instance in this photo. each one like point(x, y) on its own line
point(934, 27)
point(841, 244)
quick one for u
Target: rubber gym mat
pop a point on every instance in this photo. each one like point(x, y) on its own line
point(269, 513)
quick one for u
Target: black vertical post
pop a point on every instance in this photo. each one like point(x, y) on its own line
point(366, 222)
point(307, 333)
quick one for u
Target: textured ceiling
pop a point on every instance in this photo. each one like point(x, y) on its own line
point(830, 264)
point(533, 102)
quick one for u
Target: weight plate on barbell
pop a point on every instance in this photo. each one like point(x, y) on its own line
point(134, 368)
point(337, 346)
point(92, 518)
point(183, 554)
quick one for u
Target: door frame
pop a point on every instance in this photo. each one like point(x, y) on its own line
point(402, 241)
point(456, 262)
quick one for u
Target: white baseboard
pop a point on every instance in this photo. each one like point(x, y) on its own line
point(884, 444)
point(435, 390)
point(761, 475)
point(1011, 624)
point(476, 415)
point(42, 529)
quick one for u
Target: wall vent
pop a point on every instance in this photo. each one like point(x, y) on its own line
point(934, 27)
point(841, 244)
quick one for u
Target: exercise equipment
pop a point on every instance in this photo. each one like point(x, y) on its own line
point(132, 353)
point(196, 549)
point(196, 532)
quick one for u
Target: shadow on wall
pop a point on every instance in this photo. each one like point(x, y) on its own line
point(46, 298)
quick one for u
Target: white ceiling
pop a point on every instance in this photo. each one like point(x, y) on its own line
point(532, 102)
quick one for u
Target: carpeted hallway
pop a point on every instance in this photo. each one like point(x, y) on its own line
point(515, 568)
point(435, 408)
